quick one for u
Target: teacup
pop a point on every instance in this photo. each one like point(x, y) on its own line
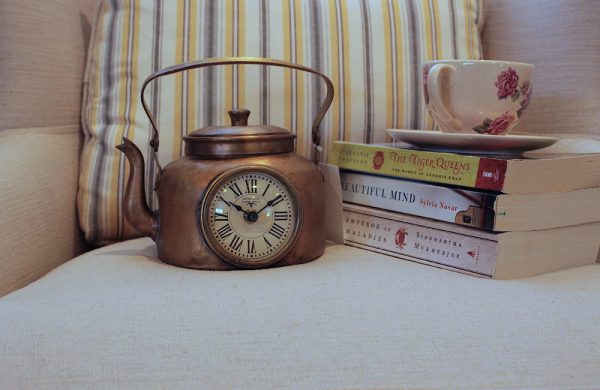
point(477, 96)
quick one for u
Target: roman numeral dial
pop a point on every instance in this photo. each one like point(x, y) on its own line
point(250, 216)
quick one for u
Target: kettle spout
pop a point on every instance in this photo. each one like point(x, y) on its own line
point(134, 203)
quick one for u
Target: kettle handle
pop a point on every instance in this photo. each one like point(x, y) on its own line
point(316, 137)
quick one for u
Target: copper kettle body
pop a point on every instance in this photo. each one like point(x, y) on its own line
point(207, 218)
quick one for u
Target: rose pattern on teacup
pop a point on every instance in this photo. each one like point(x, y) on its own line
point(497, 126)
point(507, 85)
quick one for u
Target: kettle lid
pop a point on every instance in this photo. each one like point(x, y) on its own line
point(239, 139)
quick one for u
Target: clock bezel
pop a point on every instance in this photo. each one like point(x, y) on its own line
point(203, 218)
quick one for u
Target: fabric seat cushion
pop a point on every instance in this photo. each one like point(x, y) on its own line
point(119, 318)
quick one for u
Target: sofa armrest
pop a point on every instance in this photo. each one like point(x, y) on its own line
point(38, 182)
point(42, 59)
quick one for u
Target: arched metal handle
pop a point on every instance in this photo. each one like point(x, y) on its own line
point(316, 137)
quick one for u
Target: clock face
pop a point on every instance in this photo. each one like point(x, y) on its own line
point(251, 216)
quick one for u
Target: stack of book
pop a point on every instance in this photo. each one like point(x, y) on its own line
point(487, 216)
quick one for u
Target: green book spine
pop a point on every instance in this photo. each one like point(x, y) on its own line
point(448, 168)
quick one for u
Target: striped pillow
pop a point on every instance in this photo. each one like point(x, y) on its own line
point(372, 51)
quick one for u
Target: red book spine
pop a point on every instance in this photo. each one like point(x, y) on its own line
point(491, 174)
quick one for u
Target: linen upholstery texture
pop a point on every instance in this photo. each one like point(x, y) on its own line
point(561, 39)
point(42, 57)
point(372, 51)
point(118, 318)
point(38, 223)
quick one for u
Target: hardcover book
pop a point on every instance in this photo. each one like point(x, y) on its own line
point(536, 173)
point(484, 210)
point(476, 252)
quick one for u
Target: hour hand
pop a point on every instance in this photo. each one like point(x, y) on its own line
point(238, 208)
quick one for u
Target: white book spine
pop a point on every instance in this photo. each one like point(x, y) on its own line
point(421, 243)
point(430, 201)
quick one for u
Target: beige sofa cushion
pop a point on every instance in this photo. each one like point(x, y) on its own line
point(118, 318)
point(372, 51)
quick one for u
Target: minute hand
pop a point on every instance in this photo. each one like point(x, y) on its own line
point(269, 203)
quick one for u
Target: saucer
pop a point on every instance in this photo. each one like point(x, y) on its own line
point(471, 143)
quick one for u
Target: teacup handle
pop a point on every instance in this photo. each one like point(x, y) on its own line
point(435, 86)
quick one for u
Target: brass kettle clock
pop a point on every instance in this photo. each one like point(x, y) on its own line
point(239, 197)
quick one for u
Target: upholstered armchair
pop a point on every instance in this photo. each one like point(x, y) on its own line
point(75, 316)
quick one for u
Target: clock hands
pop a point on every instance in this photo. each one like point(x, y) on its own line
point(270, 203)
point(252, 216)
point(238, 208)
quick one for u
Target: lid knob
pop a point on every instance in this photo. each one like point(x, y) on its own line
point(239, 117)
